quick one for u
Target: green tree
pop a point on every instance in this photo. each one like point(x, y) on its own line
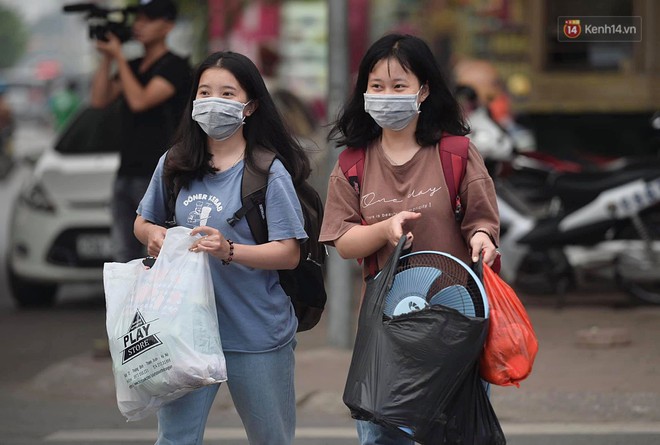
point(197, 11)
point(13, 37)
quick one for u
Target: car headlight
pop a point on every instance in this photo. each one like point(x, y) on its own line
point(36, 197)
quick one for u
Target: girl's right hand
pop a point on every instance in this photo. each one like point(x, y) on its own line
point(401, 223)
point(155, 238)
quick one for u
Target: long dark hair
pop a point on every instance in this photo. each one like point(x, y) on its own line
point(189, 158)
point(439, 112)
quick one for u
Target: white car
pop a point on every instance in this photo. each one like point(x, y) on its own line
point(60, 222)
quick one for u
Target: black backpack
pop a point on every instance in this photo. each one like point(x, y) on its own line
point(304, 284)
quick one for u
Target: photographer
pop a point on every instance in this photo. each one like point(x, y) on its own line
point(152, 90)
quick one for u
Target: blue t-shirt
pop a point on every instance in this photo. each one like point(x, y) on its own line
point(254, 313)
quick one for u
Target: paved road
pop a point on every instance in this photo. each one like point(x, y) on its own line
point(53, 391)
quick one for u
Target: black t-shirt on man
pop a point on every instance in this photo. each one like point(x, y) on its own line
point(147, 135)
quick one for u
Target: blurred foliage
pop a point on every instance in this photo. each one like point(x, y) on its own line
point(13, 37)
point(197, 11)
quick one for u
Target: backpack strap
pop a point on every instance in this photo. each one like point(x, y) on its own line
point(454, 157)
point(351, 163)
point(253, 196)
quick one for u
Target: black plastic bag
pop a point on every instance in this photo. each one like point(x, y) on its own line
point(418, 373)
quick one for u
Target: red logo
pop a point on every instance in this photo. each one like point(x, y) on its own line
point(572, 29)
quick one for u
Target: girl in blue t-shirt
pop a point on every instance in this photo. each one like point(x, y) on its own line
point(229, 116)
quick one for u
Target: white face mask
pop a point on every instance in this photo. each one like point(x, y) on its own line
point(393, 111)
point(219, 118)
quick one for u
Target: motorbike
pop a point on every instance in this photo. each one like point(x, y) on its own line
point(563, 228)
point(564, 222)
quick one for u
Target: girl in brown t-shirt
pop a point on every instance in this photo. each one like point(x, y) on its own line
point(397, 113)
point(408, 106)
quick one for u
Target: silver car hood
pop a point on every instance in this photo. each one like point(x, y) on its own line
point(78, 180)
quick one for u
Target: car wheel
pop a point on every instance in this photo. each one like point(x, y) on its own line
point(28, 294)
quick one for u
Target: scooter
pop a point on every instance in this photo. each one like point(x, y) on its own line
point(564, 222)
point(602, 224)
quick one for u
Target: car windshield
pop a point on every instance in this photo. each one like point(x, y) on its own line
point(92, 130)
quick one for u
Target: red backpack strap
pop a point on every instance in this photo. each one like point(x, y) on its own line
point(351, 163)
point(454, 157)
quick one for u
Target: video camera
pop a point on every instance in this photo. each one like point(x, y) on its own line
point(102, 20)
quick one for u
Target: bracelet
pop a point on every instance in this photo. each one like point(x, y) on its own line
point(489, 235)
point(231, 253)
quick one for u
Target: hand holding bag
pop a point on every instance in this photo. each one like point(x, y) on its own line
point(511, 344)
point(162, 327)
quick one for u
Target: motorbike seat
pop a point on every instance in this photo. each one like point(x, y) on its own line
point(547, 233)
point(579, 189)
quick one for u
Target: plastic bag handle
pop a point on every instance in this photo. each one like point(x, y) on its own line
point(393, 262)
point(383, 281)
point(478, 266)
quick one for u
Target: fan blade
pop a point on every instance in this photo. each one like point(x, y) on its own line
point(410, 304)
point(415, 281)
point(456, 297)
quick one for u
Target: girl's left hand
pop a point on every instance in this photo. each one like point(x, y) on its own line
point(480, 242)
point(213, 242)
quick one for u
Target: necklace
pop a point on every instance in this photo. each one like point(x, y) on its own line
point(390, 159)
point(240, 156)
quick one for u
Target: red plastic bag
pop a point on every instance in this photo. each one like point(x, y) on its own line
point(511, 344)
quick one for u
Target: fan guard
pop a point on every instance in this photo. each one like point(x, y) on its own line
point(439, 278)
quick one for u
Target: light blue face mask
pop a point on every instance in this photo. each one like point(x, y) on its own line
point(393, 111)
point(219, 118)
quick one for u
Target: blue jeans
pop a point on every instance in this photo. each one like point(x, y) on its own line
point(262, 388)
point(127, 194)
point(373, 434)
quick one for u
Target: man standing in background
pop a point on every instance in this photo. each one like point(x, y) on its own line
point(153, 90)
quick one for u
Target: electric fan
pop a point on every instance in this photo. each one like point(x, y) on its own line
point(428, 278)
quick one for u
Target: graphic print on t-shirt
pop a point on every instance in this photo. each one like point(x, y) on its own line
point(377, 206)
point(201, 205)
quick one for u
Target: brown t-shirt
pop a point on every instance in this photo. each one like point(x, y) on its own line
point(419, 186)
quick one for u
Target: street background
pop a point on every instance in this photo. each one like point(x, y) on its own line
point(597, 374)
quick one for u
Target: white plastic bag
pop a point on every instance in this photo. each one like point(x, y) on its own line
point(162, 327)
